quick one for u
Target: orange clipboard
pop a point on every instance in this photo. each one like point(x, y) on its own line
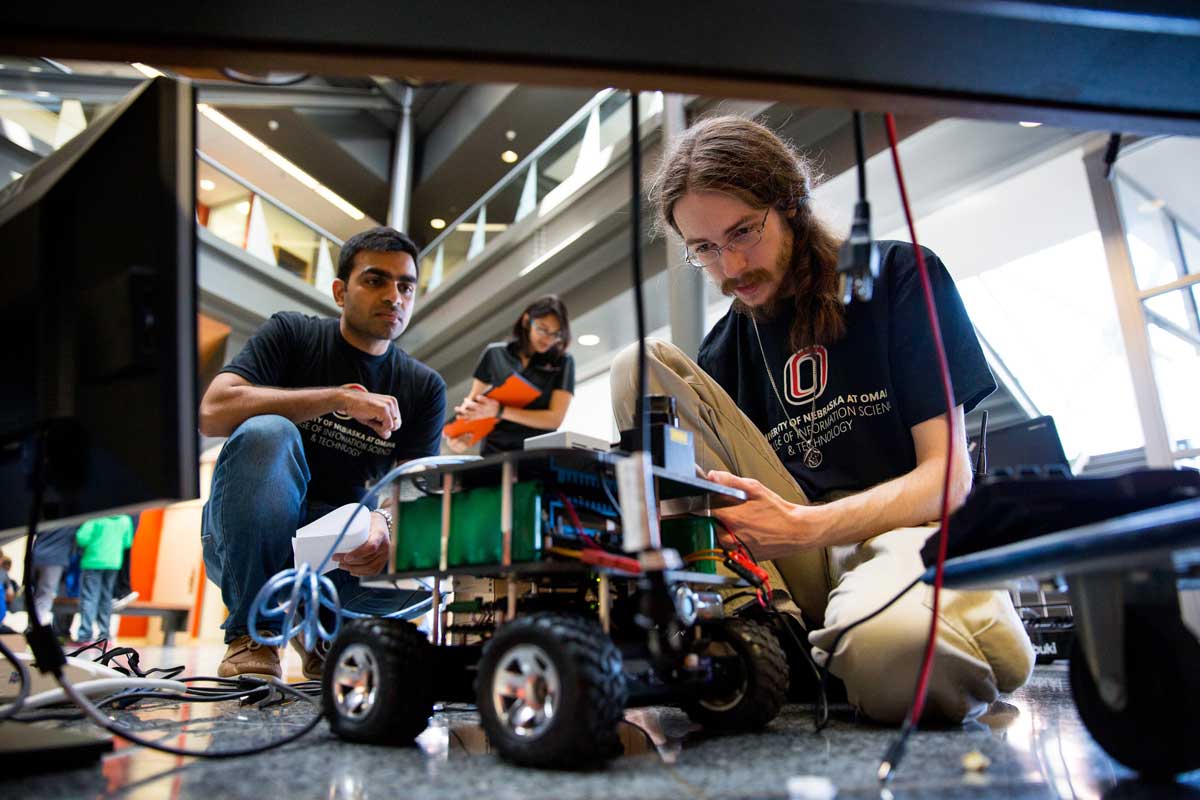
point(515, 392)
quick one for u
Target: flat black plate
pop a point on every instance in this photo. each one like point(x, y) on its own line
point(1114, 544)
point(542, 568)
point(532, 464)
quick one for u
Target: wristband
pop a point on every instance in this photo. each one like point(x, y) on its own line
point(500, 412)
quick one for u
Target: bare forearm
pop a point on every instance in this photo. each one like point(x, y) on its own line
point(220, 415)
point(548, 419)
point(913, 499)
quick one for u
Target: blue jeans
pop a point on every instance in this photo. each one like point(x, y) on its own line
point(259, 499)
point(95, 602)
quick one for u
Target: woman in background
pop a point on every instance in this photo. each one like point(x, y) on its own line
point(536, 351)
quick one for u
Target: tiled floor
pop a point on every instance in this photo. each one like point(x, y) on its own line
point(1034, 740)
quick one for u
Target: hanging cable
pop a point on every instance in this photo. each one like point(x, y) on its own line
point(826, 668)
point(860, 159)
point(103, 721)
point(14, 707)
point(895, 752)
point(642, 411)
point(50, 659)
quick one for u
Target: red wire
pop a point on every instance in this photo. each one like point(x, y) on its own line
point(575, 519)
point(944, 368)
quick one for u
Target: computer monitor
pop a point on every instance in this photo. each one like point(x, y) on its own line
point(1028, 444)
point(98, 315)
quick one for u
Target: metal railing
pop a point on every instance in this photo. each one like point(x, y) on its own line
point(270, 230)
point(575, 152)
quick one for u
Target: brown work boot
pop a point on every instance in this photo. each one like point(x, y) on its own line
point(245, 656)
point(312, 662)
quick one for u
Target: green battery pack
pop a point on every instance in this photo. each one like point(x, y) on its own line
point(691, 536)
point(475, 536)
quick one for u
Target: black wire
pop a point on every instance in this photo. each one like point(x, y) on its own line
point(735, 537)
point(35, 511)
point(101, 644)
point(40, 636)
point(23, 691)
point(126, 734)
point(1111, 151)
point(859, 156)
point(828, 665)
point(248, 693)
point(635, 208)
point(803, 647)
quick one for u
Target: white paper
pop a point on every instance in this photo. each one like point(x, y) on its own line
point(313, 541)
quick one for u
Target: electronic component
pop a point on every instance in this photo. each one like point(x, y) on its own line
point(474, 528)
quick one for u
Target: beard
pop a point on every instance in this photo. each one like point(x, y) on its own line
point(784, 266)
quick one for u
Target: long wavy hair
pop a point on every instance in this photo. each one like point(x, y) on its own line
point(747, 160)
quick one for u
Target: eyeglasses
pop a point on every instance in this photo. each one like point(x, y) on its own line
point(742, 240)
point(544, 331)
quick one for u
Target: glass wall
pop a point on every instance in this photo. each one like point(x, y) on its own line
point(1156, 185)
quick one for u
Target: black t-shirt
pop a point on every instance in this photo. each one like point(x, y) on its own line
point(862, 394)
point(295, 351)
point(499, 360)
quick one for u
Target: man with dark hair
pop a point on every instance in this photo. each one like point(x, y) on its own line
point(830, 419)
point(316, 409)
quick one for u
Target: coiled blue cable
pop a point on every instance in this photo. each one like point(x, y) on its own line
point(305, 589)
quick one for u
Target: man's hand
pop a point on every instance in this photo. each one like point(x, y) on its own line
point(370, 557)
point(479, 407)
point(379, 412)
point(769, 525)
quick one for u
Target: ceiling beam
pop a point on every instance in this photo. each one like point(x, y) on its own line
point(1090, 64)
point(114, 88)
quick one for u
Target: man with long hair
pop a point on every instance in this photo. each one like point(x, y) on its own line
point(830, 418)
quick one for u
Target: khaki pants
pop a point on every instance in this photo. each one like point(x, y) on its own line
point(982, 647)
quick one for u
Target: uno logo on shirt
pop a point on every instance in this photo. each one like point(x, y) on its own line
point(805, 375)
point(358, 387)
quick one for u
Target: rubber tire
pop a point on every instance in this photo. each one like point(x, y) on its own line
point(583, 732)
point(1158, 731)
point(404, 697)
point(767, 673)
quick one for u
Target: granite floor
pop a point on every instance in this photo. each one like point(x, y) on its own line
point(1034, 740)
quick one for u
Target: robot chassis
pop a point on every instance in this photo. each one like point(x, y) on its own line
point(557, 604)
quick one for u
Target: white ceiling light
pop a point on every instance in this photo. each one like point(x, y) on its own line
point(145, 69)
point(207, 185)
point(510, 135)
point(437, 223)
point(508, 157)
point(243, 207)
point(1029, 124)
point(273, 124)
point(256, 144)
point(489, 227)
point(589, 340)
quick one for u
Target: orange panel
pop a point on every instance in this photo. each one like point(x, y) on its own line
point(198, 606)
point(143, 563)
